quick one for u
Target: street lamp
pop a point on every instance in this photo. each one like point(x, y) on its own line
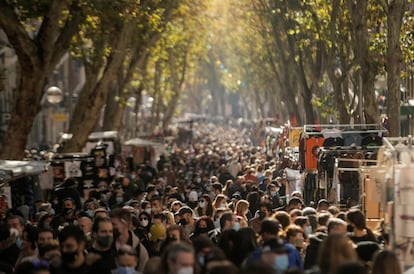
point(54, 95)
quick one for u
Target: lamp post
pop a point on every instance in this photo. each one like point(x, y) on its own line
point(54, 96)
point(132, 101)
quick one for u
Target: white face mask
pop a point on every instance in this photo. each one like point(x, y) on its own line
point(144, 223)
point(186, 270)
point(148, 210)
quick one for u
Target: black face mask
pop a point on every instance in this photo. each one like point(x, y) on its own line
point(182, 222)
point(67, 211)
point(349, 228)
point(116, 233)
point(69, 257)
point(105, 241)
point(203, 230)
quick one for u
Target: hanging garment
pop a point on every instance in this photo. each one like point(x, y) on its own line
point(310, 188)
point(294, 137)
point(312, 146)
point(293, 177)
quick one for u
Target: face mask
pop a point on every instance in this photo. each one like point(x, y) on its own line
point(273, 193)
point(203, 230)
point(105, 241)
point(156, 193)
point(133, 177)
point(144, 223)
point(116, 233)
point(19, 243)
point(119, 200)
point(199, 194)
point(308, 230)
point(148, 210)
point(217, 223)
point(236, 226)
point(198, 180)
point(89, 212)
point(201, 204)
point(201, 260)
point(69, 257)
point(125, 270)
point(67, 211)
point(52, 211)
point(281, 263)
point(185, 270)
point(223, 206)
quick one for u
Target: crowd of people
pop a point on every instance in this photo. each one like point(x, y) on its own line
point(218, 205)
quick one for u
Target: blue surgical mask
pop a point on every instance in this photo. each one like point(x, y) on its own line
point(89, 212)
point(217, 223)
point(281, 263)
point(125, 270)
point(201, 260)
point(308, 230)
point(201, 204)
point(236, 226)
point(19, 243)
point(119, 200)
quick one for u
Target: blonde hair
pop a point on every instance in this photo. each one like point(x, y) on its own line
point(218, 199)
point(241, 207)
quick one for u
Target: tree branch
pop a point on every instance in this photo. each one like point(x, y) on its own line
point(18, 37)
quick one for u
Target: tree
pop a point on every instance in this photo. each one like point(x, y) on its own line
point(40, 32)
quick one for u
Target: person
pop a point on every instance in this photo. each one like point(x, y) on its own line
point(269, 230)
point(72, 243)
point(44, 235)
point(126, 260)
point(33, 268)
point(204, 207)
point(351, 267)
point(66, 190)
point(220, 202)
point(143, 229)
point(359, 230)
point(242, 210)
point(272, 253)
point(16, 222)
point(67, 215)
point(29, 248)
point(178, 259)
point(186, 215)
point(244, 244)
point(101, 254)
point(335, 249)
point(121, 221)
point(85, 223)
point(336, 226)
point(386, 262)
point(9, 251)
point(295, 236)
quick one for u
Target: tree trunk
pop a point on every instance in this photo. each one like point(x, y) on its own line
point(26, 105)
point(394, 60)
point(92, 99)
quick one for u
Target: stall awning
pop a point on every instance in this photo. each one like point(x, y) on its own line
point(16, 169)
point(141, 143)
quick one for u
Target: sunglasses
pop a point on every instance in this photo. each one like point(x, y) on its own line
point(202, 201)
point(143, 219)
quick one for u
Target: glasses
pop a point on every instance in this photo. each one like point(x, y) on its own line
point(143, 219)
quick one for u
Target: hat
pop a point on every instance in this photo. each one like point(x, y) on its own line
point(275, 246)
point(184, 210)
